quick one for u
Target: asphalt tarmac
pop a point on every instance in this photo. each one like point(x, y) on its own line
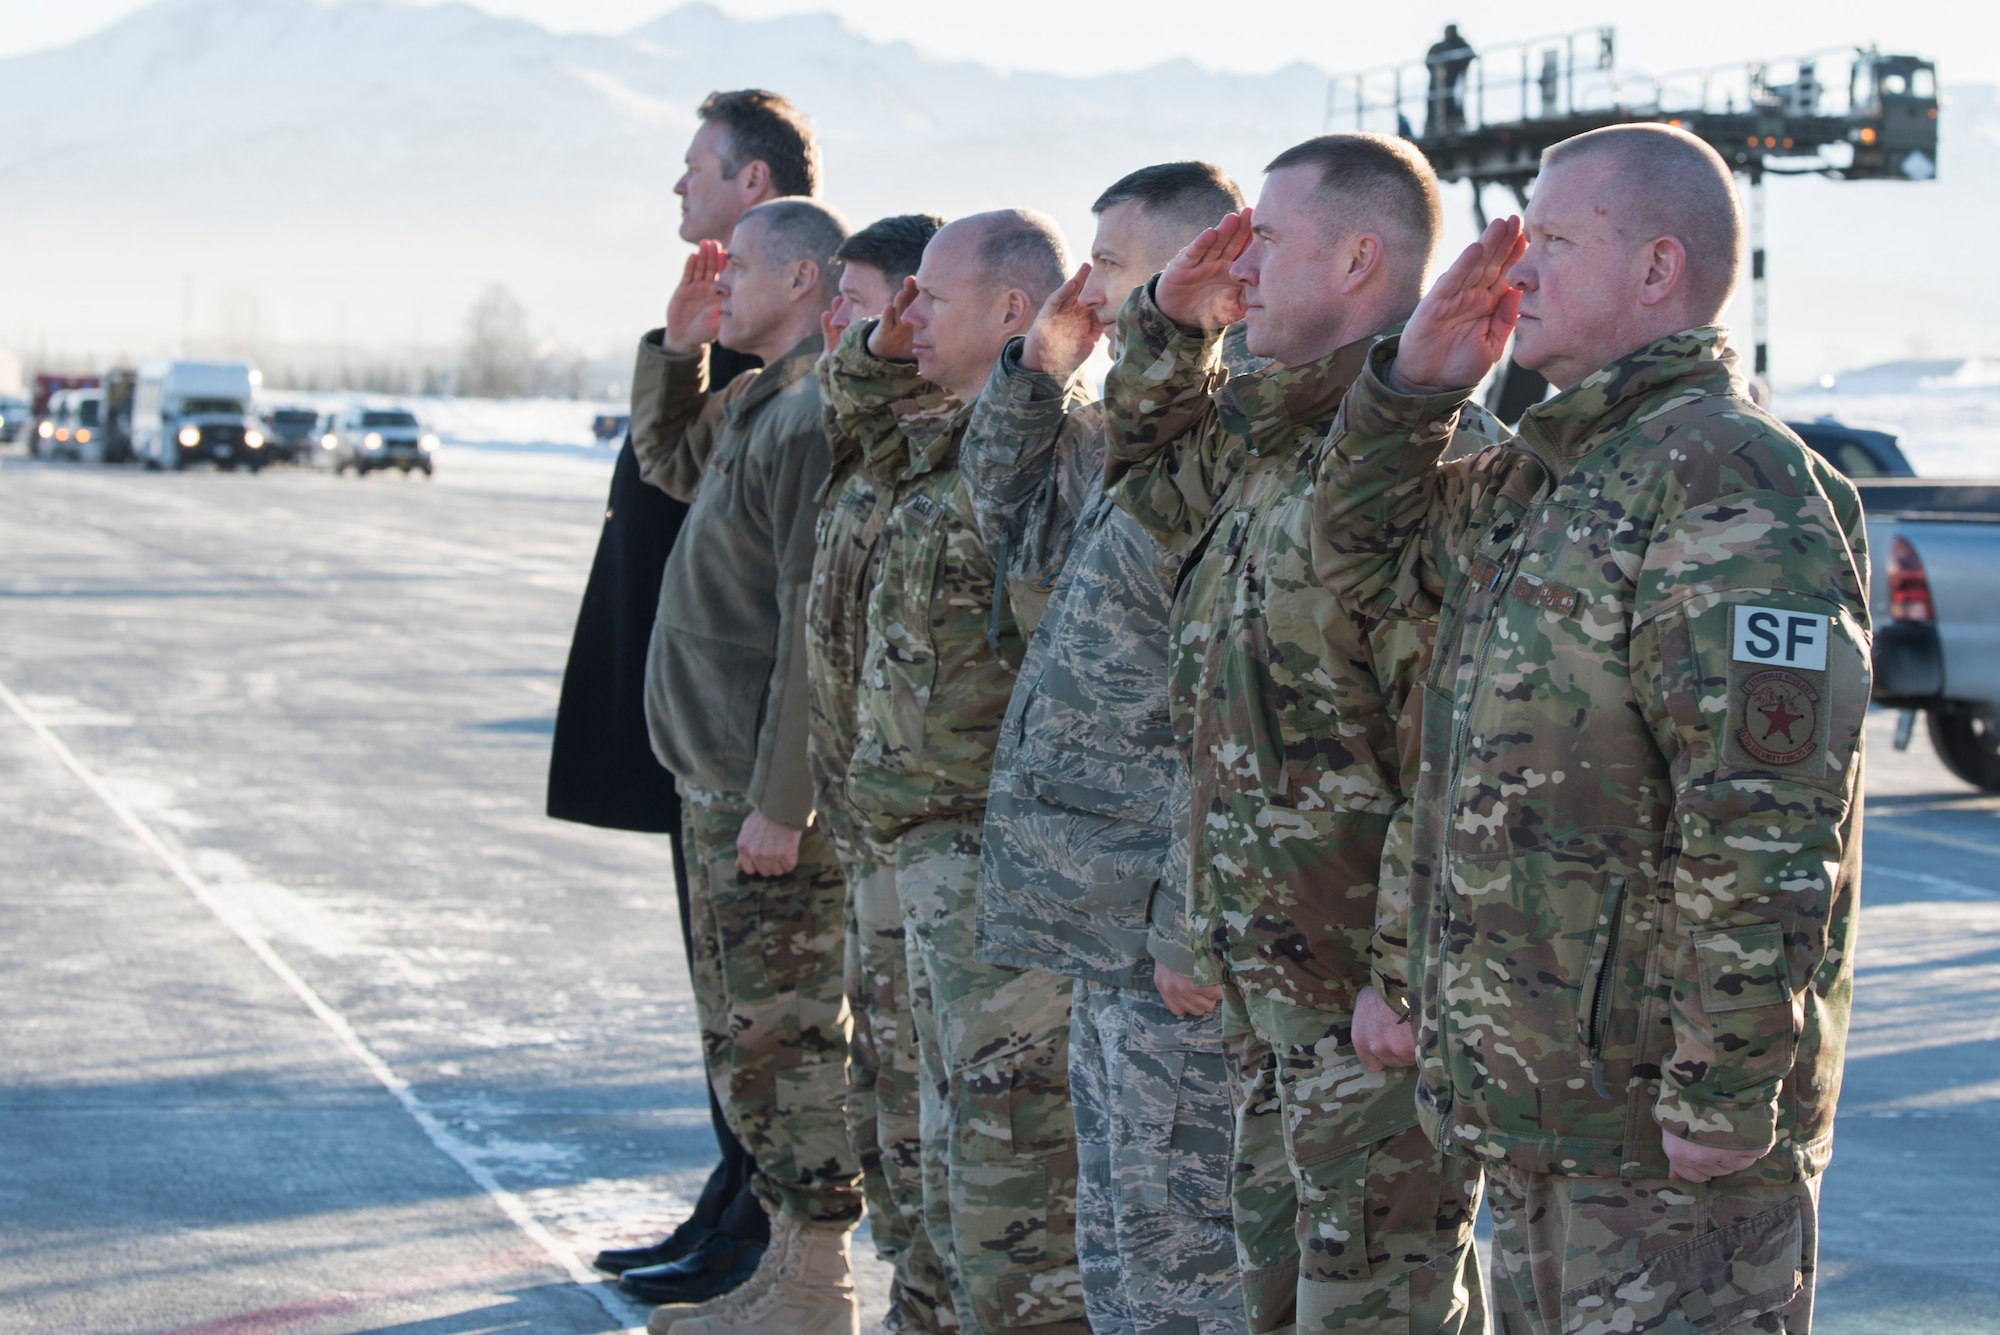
point(314, 1023)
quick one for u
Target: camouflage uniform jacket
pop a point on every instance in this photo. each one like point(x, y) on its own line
point(1080, 827)
point(1083, 863)
point(940, 652)
point(1284, 704)
point(726, 666)
point(846, 562)
point(1637, 833)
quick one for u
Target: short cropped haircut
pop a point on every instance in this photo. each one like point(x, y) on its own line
point(1370, 181)
point(1183, 197)
point(1022, 248)
point(764, 127)
point(802, 229)
point(1672, 184)
point(893, 245)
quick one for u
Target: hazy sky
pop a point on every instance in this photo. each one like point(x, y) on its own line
point(1093, 36)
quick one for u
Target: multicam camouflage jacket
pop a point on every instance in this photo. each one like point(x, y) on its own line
point(846, 562)
point(1284, 704)
point(940, 652)
point(1637, 836)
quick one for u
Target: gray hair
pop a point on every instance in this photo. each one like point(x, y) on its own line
point(802, 229)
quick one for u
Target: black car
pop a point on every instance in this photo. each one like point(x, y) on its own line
point(1856, 451)
point(290, 434)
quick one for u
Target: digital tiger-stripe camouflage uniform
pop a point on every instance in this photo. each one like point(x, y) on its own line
point(1637, 847)
point(883, 1073)
point(1082, 858)
point(939, 664)
point(1285, 705)
point(726, 708)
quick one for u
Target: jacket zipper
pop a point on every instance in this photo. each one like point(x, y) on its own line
point(1459, 739)
point(1600, 995)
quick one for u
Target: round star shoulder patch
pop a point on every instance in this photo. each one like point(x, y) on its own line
point(1780, 717)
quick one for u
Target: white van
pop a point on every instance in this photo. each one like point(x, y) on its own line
point(184, 412)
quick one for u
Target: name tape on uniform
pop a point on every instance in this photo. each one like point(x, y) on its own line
point(1780, 638)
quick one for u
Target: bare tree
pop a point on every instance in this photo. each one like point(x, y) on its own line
point(497, 360)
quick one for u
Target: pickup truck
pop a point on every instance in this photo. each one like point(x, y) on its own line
point(1935, 547)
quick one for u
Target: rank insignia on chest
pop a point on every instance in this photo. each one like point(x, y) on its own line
point(1486, 573)
point(1780, 714)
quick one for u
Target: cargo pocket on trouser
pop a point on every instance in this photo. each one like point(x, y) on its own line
point(1012, 1186)
point(1715, 1282)
point(1199, 1146)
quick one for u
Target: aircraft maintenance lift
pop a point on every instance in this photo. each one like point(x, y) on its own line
point(1485, 117)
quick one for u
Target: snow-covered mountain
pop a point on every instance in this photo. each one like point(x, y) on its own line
point(366, 165)
point(306, 170)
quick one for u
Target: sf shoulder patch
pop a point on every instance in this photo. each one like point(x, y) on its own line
point(1780, 713)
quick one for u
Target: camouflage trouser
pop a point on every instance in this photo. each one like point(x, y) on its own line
point(774, 1021)
point(882, 1092)
point(1347, 1217)
point(998, 1144)
point(1593, 1255)
point(1151, 1094)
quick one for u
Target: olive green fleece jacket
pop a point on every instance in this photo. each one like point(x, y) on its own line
point(726, 670)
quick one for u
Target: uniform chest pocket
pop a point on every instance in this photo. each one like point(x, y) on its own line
point(905, 671)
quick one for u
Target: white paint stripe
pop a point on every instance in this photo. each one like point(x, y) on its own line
point(1957, 889)
point(458, 1151)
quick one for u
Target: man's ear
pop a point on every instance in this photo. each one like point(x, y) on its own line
point(754, 179)
point(1360, 256)
point(1020, 311)
point(805, 276)
point(1666, 267)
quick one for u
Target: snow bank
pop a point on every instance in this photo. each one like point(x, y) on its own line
point(1948, 414)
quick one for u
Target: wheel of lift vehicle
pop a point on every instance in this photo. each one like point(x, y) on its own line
point(1969, 744)
point(404, 469)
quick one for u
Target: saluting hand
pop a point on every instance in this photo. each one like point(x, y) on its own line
point(694, 311)
point(1195, 290)
point(1461, 327)
point(891, 339)
point(1064, 332)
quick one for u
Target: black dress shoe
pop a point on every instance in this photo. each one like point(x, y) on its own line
point(683, 1241)
point(711, 1270)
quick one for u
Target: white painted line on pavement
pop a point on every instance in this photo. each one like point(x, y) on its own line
point(448, 1144)
point(1956, 889)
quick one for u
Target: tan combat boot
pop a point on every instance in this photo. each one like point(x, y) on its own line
point(810, 1293)
point(664, 1319)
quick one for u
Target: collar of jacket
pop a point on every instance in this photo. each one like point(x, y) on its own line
point(779, 375)
point(1679, 368)
point(1263, 407)
point(929, 429)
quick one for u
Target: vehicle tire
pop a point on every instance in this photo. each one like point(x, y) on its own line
point(1968, 743)
point(152, 465)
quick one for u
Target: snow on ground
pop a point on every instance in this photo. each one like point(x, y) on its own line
point(1947, 413)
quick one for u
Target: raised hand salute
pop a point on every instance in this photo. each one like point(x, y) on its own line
point(892, 340)
point(694, 311)
point(1460, 329)
point(1065, 330)
point(1196, 291)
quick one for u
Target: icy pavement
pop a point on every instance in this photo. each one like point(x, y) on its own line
point(314, 1023)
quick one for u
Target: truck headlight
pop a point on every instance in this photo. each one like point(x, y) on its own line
point(427, 442)
point(45, 430)
point(190, 435)
point(62, 433)
point(83, 435)
point(254, 439)
point(329, 441)
point(373, 440)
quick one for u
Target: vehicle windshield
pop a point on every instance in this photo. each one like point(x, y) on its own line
point(388, 419)
point(196, 407)
point(293, 417)
point(86, 412)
